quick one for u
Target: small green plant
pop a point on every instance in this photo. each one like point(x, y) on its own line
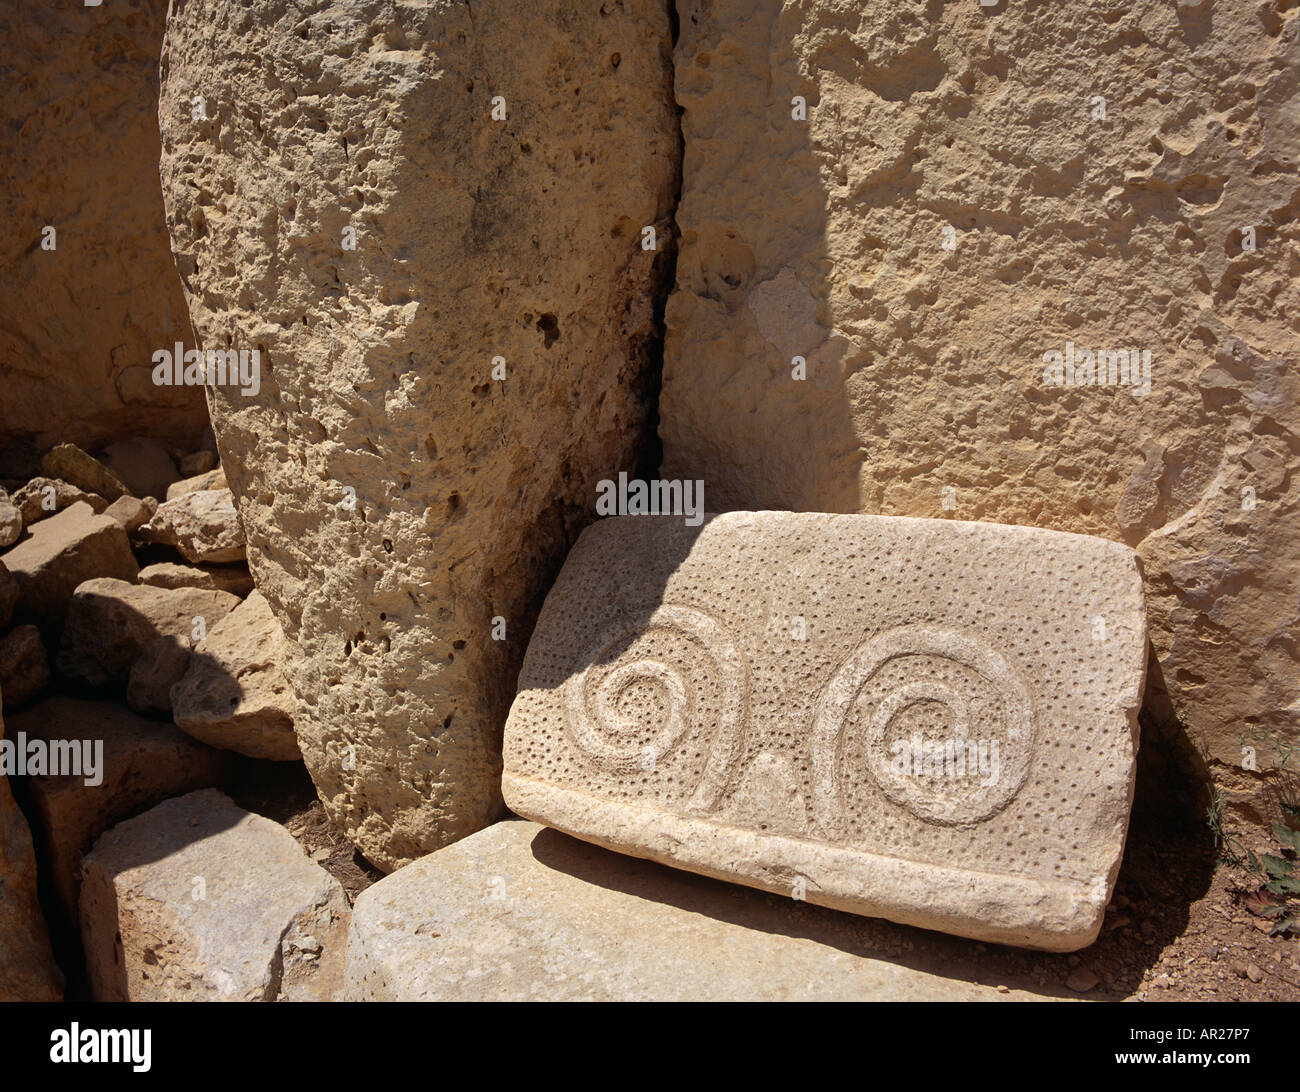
point(1278, 899)
point(1229, 848)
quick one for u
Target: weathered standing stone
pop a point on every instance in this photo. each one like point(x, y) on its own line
point(266, 924)
point(42, 497)
point(24, 666)
point(975, 187)
point(234, 694)
point(62, 552)
point(144, 763)
point(110, 621)
point(228, 578)
point(202, 525)
point(68, 463)
point(520, 913)
point(928, 721)
point(27, 968)
point(398, 494)
point(79, 323)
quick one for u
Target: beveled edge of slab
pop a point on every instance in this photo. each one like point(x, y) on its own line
point(1012, 909)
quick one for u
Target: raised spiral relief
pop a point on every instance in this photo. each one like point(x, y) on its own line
point(644, 689)
point(934, 716)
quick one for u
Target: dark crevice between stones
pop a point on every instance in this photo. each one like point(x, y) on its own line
point(1168, 814)
point(665, 279)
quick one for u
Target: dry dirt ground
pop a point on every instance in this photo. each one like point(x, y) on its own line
point(1176, 929)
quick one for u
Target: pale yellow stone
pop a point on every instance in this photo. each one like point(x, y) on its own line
point(521, 913)
point(435, 412)
point(970, 188)
point(200, 900)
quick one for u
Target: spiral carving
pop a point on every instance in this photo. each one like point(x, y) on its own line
point(637, 698)
point(938, 719)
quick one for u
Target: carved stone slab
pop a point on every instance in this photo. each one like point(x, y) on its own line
point(929, 721)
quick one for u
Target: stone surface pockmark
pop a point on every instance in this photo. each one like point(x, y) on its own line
point(929, 721)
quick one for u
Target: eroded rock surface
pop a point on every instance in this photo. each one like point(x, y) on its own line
point(61, 553)
point(11, 521)
point(42, 497)
point(160, 665)
point(138, 763)
point(397, 497)
point(79, 323)
point(68, 463)
point(234, 694)
point(110, 621)
point(24, 666)
point(521, 913)
point(143, 464)
point(975, 188)
point(204, 479)
point(227, 578)
point(201, 524)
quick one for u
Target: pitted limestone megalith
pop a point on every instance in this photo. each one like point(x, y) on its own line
point(924, 720)
point(1023, 263)
point(428, 220)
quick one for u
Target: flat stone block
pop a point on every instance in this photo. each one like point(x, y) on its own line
point(63, 552)
point(521, 913)
point(200, 900)
point(141, 762)
point(929, 721)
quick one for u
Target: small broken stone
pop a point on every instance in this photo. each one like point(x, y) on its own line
point(202, 525)
point(40, 498)
point(11, 522)
point(69, 463)
point(1082, 980)
point(130, 512)
point(198, 462)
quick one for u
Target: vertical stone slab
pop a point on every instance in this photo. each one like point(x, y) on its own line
point(397, 205)
point(972, 189)
point(928, 721)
